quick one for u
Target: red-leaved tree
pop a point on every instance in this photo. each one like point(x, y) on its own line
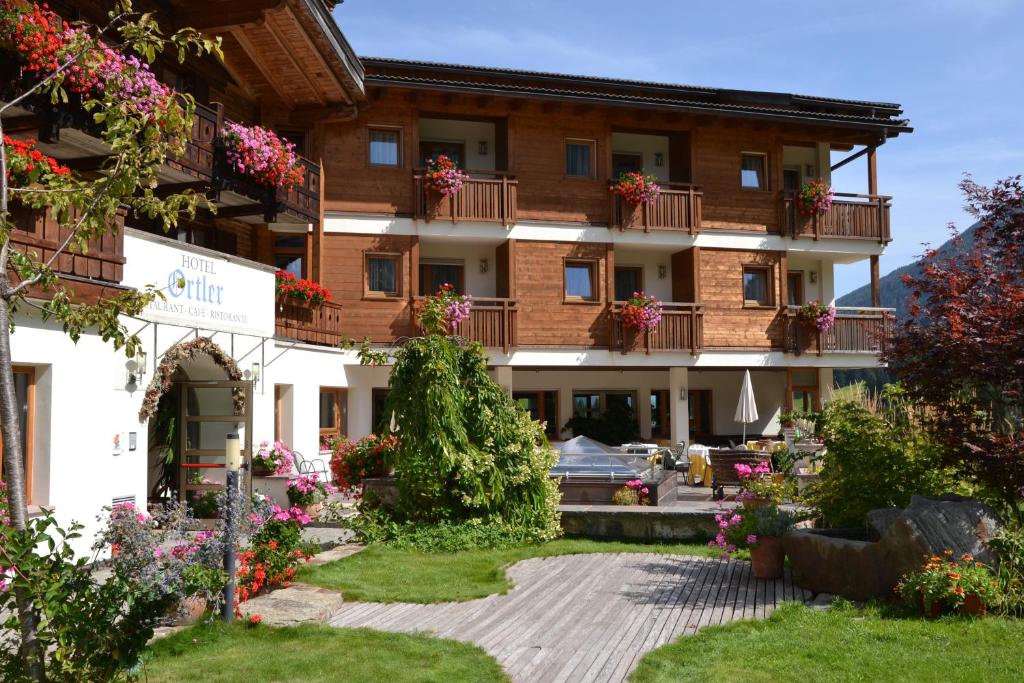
point(961, 351)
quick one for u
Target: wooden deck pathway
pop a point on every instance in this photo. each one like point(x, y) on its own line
point(587, 617)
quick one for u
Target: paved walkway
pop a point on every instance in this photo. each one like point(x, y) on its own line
point(587, 617)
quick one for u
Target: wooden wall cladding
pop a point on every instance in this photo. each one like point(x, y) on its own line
point(728, 323)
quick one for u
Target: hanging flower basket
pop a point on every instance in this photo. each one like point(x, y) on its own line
point(443, 176)
point(641, 313)
point(443, 312)
point(261, 156)
point(288, 287)
point(817, 315)
point(636, 188)
point(815, 198)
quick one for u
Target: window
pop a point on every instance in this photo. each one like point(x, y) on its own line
point(804, 390)
point(542, 406)
point(661, 414)
point(382, 274)
point(579, 158)
point(431, 149)
point(333, 412)
point(25, 391)
point(580, 281)
point(795, 288)
point(623, 162)
point(289, 253)
point(628, 280)
point(378, 400)
point(757, 286)
point(297, 138)
point(586, 404)
point(385, 147)
point(699, 407)
point(433, 274)
point(752, 172)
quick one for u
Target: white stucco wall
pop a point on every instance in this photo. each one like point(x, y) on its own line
point(649, 260)
point(469, 255)
point(470, 133)
point(647, 146)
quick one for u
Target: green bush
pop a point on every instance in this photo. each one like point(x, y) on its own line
point(873, 460)
point(378, 527)
point(1009, 546)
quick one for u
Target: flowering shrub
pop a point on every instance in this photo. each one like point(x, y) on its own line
point(636, 188)
point(641, 312)
point(815, 198)
point(27, 165)
point(443, 176)
point(726, 520)
point(948, 581)
point(277, 458)
point(261, 155)
point(354, 461)
point(288, 286)
point(817, 315)
point(633, 493)
point(443, 312)
point(307, 489)
point(757, 482)
point(34, 32)
point(274, 550)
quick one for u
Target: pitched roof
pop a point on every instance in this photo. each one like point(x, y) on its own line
point(885, 116)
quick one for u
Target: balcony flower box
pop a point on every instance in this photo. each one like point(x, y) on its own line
point(258, 155)
point(290, 289)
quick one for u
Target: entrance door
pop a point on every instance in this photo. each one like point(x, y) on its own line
point(431, 149)
point(623, 162)
point(208, 413)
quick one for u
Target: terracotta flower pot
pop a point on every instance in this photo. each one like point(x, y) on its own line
point(755, 503)
point(766, 558)
point(632, 340)
point(974, 605)
point(189, 611)
point(632, 215)
point(260, 470)
point(312, 510)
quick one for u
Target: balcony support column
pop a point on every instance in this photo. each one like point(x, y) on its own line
point(872, 171)
point(679, 414)
point(876, 291)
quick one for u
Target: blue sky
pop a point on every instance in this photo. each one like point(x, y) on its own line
point(955, 66)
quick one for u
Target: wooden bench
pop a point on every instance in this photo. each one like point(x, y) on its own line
point(723, 468)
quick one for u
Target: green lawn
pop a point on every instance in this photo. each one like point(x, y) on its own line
point(383, 574)
point(230, 654)
point(843, 644)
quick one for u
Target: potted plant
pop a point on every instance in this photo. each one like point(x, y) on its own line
point(761, 531)
point(637, 190)
point(308, 493)
point(272, 459)
point(760, 489)
point(443, 312)
point(288, 287)
point(442, 179)
point(261, 156)
point(640, 315)
point(943, 583)
point(817, 315)
point(815, 198)
point(200, 584)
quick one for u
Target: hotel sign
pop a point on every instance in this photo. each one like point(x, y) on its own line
point(200, 290)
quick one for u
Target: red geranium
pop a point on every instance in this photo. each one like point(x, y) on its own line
point(287, 285)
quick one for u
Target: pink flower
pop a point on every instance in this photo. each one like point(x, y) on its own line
point(751, 539)
point(743, 471)
point(644, 491)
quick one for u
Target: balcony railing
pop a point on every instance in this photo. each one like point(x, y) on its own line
point(852, 216)
point(320, 324)
point(681, 329)
point(488, 196)
point(678, 207)
point(37, 231)
point(492, 322)
point(855, 330)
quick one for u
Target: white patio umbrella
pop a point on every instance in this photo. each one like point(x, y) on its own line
point(746, 409)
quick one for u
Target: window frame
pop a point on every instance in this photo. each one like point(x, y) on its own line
point(589, 142)
point(374, 294)
point(663, 399)
point(553, 426)
point(339, 429)
point(637, 269)
point(769, 273)
point(302, 252)
point(790, 274)
point(594, 266)
point(765, 185)
point(696, 409)
point(388, 128)
point(28, 428)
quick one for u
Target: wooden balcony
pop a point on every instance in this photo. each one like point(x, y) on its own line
point(487, 197)
point(852, 217)
point(492, 322)
point(320, 324)
point(678, 207)
point(681, 329)
point(37, 232)
point(856, 330)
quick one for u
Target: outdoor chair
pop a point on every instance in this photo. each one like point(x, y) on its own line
point(723, 468)
point(304, 465)
point(698, 469)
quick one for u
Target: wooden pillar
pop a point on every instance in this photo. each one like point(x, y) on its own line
point(414, 268)
point(876, 290)
point(872, 172)
point(783, 281)
point(609, 272)
point(317, 260)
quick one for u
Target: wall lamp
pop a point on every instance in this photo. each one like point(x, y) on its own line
point(136, 368)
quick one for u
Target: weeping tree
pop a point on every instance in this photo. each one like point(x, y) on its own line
point(103, 73)
point(466, 449)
